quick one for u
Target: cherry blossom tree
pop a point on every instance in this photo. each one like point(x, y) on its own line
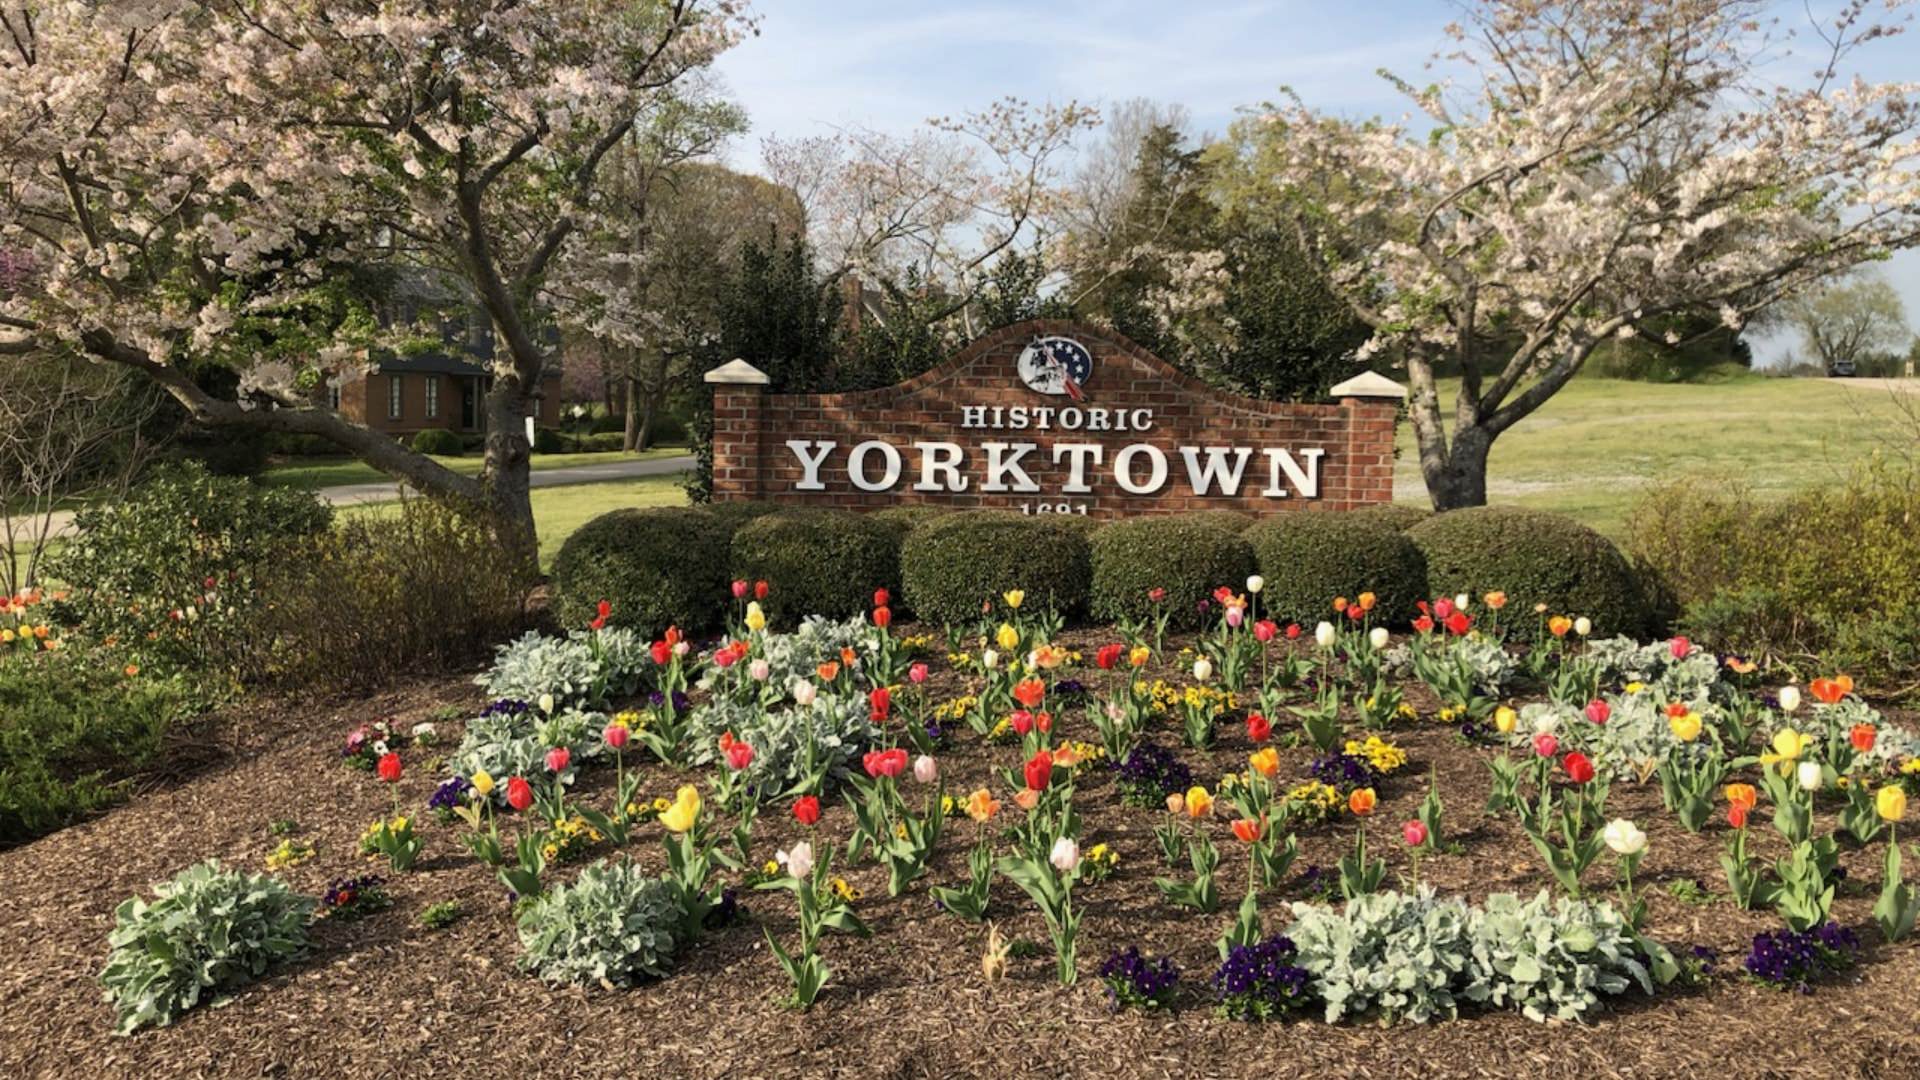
point(1595, 165)
point(194, 179)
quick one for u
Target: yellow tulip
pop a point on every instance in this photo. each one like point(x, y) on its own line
point(1788, 745)
point(685, 809)
point(756, 618)
point(1014, 598)
point(1139, 656)
point(1504, 718)
point(1891, 802)
point(1007, 637)
point(1265, 761)
point(482, 783)
point(1686, 726)
point(1199, 802)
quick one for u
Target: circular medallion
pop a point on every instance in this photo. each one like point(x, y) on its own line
point(1055, 366)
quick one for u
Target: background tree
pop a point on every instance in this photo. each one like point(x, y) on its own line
point(193, 176)
point(1597, 166)
point(1857, 322)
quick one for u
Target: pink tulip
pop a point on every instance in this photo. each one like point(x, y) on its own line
point(925, 769)
point(1414, 833)
point(1598, 711)
point(1681, 647)
point(1545, 744)
point(739, 590)
point(917, 674)
point(616, 736)
point(558, 759)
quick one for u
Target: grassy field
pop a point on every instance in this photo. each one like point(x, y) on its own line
point(1593, 449)
point(558, 511)
point(312, 473)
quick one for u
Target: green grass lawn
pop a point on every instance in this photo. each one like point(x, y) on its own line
point(1593, 448)
point(558, 511)
point(313, 473)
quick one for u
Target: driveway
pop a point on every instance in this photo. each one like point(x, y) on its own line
point(388, 491)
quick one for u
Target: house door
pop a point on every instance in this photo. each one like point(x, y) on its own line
point(469, 404)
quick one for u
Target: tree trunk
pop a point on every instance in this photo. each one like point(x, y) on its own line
point(633, 433)
point(507, 470)
point(1459, 477)
point(644, 440)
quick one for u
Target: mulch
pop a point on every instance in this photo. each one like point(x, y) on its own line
point(387, 996)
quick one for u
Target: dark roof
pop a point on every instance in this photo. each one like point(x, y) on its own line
point(434, 363)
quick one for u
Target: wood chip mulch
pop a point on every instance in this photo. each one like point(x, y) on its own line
point(388, 997)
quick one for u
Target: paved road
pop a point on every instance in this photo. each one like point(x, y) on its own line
point(389, 490)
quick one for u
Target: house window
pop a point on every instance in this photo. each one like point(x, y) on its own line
point(433, 396)
point(394, 409)
point(333, 397)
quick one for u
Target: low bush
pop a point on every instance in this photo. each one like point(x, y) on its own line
point(952, 566)
point(74, 733)
point(614, 925)
point(1309, 559)
point(1395, 514)
point(1824, 574)
point(658, 567)
point(381, 597)
point(818, 562)
point(548, 440)
point(609, 442)
point(437, 441)
point(172, 572)
point(905, 519)
point(1231, 520)
point(1188, 559)
point(205, 934)
point(1535, 558)
point(737, 512)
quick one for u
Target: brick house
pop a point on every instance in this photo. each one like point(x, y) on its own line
point(406, 395)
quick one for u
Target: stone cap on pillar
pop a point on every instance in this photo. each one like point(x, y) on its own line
point(737, 373)
point(1367, 384)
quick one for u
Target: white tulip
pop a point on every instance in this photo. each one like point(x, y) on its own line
point(990, 660)
point(546, 704)
point(1255, 584)
point(799, 861)
point(759, 669)
point(803, 693)
point(1461, 600)
point(1379, 638)
point(1789, 698)
point(1809, 775)
point(925, 769)
point(1202, 669)
point(681, 649)
point(1624, 837)
point(1583, 626)
point(1323, 635)
point(1065, 856)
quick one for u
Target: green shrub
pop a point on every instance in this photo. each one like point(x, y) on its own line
point(1397, 515)
point(819, 562)
point(1309, 559)
point(737, 512)
point(389, 595)
point(1231, 520)
point(1825, 573)
point(73, 733)
point(437, 441)
point(600, 443)
point(548, 440)
point(1535, 558)
point(614, 925)
point(951, 566)
point(905, 519)
point(173, 570)
point(1187, 558)
point(659, 566)
point(206, 933)
point(668, 430)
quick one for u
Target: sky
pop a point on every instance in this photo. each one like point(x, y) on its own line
point(822, 65)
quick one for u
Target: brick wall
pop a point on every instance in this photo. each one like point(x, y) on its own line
point(752, 460)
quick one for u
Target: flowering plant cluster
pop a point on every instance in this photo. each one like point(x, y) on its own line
point(1796, 959)
point(1136, 982)
point(348, 899)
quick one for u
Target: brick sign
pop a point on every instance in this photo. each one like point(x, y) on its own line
point(1053, 417)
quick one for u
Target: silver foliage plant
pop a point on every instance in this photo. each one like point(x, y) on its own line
point(1412, 956)
point(572, 669)
point(504, 744)
point(206, 933)
point(1622, 661)
point(790, 742)
point(612, 926)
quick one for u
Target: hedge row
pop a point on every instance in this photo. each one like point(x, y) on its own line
point(673, 565)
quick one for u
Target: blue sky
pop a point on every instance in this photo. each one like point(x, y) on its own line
point(822, 64)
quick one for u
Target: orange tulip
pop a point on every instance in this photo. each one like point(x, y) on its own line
point(1832, 690)
point(1367, 600)
point(1030, 692)
point(1559, 625)
point(981, 805)
point(1027, 798)
point(1266, 761)
point(1339, 603)
point(1862, 736)
point(1362, 801)
point(1495, 600)
point(1246, 830)
point(1743, 795)
point(828, 671)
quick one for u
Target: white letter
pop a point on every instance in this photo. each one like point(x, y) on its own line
point(973, 416)
point(1203, 479)
point(857, 466)
point(1142, 419)
point(940, 457)
point(1081, 453)
point(998, 469)
point(1123, 469)
point(1305, 481)
point(811, 481)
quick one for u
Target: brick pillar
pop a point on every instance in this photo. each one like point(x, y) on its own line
point(1372, 404)
point(739, 392)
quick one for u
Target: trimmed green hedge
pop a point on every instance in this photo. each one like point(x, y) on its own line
point(1231, 520)
point(437, 441)
point(905, 519)
point(1309, 559)
point(1394, 514)
point(1186, 557)
point(951, 566)
point(1535, 558)
point(819, 562)
point(737, 512)
point(658, 567)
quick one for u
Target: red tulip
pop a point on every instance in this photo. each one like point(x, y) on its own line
point(1442, 608)
point(882, 617)
point(1423, 624)
point(1156, 594)
point(1022, 722)
point(390, 767)
point(740, 590)
point(1264, 630)
point(879, 704)
point(889, 763)
point(1259, 728)
point(1355, 613)
point(617, 736)
point(806, 809)
point(1246, 830)
point(1862, 737)
point(519, 793)
point(881, 597)
point(739, 756)
point(1414, 833)
point(1039, 770)
point(760, 590)
point(1737, 815)
point(1109, 656)
point(1030, 692)
point(1579, 768)
point(1293, 631)
point(1458, 623)
point(662, 652)
point(1545, 744)
point(1599, 711)
point(558, 759)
